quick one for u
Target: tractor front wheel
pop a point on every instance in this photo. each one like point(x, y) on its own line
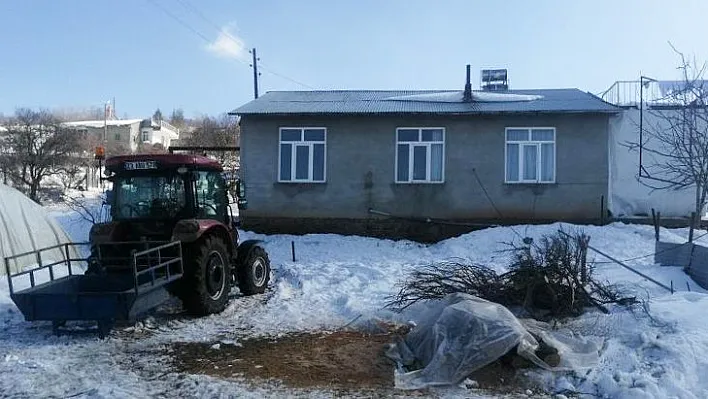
point(254, 272)
point(207, 279)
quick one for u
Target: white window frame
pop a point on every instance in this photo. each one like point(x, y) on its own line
point(539, 163)
point(419, 143)
point(293, 156)
point(145, 136)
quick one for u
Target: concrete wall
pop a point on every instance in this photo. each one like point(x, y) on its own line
point(628, 195)
point(360, 165)
point(164, 136)
point(128, 136)
point(693, 258)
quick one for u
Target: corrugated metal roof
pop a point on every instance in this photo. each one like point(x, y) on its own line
point(100, 123)
point(384, 102)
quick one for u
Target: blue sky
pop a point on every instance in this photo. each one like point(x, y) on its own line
point(80, 53)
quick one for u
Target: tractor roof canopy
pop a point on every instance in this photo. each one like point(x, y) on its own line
point(157, 162)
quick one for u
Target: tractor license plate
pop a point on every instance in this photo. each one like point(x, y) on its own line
point(139, 165)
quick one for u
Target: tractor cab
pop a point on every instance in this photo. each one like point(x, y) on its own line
point(151, 189)
point(152, 193)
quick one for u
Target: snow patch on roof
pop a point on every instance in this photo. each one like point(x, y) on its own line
point(485, 96)
point(100, 123)
point(457, 97)
point(441, 97)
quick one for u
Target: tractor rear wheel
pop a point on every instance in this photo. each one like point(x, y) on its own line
point(254, 272)
point(207, 278)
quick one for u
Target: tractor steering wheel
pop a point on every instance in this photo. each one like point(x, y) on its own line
point(129, 207)
point(212, 206)
point(135, 209)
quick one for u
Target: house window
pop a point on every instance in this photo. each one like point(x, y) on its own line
point(420, 154)
point(530, 155)
point(146, 136)
point(117, 137)
point(302, 155)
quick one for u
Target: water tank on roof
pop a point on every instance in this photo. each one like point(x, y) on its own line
point(495, 80)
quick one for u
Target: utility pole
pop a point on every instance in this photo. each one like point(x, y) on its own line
point(254, 64)
point(105, 123)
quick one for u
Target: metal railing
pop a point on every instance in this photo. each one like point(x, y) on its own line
point(163, 263)
point(66, 261)
point(649, 92)
point(161, 273)
point(627, 93)
point(109, 260)
point(164, 125)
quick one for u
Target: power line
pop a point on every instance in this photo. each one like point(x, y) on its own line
point(272, 72)
point(494, 206)
point(190, 28)
point(657, 253)
point(180, 21)
point(188, 5)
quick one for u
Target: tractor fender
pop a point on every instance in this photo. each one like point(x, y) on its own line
point(189, 231)
point(244, 249)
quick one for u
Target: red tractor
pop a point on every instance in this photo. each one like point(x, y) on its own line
point(168, 198)
point(172, 232)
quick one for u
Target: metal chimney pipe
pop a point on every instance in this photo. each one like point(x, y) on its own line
point(467, 96)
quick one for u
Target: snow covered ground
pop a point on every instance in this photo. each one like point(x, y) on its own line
point(657, 353)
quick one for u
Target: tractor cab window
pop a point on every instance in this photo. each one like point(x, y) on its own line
point(211, 196)
point(148, 197)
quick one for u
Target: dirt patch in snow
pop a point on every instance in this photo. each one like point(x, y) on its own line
point(337, 360)
point(343, 359)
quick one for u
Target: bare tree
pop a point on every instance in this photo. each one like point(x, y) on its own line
point(39, 147)
point(676, 136)
point(5, 155)
point(222, 130)
point(177, 119)
point(89, 209)
point(77, 114)
point(150, 148)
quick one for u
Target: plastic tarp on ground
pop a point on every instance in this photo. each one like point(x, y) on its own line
point(24, 227)
point(462, 333)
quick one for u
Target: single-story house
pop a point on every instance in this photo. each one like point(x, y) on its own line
point(422, 164)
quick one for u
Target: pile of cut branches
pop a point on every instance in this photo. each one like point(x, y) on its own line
point(549, 279)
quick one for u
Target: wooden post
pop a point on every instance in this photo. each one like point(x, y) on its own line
point(690, 229)
point(584, 242)
point(292, 247)
point(656, 216)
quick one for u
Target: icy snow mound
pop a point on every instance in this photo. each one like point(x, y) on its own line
point(24, 227)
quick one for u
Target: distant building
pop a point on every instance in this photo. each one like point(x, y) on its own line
point(127, 135)
point(158, 132)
